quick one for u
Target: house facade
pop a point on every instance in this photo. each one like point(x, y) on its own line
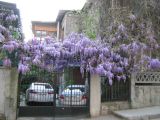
point(67, 22)
point(44, 29)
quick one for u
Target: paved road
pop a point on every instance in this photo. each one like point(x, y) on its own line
point(108, 117)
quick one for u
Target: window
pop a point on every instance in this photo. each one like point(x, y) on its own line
point(44, 33)
point(80, 88)
point(38, 33)
point(47, 86)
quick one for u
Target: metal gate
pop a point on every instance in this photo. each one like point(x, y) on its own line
point(53, 94)
point(119, 91)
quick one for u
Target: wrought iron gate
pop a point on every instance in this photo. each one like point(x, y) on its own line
point(119, 91)
point(53, 94)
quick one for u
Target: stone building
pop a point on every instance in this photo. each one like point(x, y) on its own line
point(67, 22)
point(44, 29)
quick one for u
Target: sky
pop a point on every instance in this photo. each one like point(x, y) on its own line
point(42, 10)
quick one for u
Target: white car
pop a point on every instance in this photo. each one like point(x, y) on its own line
point(73, 95)
point(39, 92)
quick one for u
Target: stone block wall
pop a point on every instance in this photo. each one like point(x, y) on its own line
point(146, 96)
point(145, 89)
point(108, 107)
point(8, 93)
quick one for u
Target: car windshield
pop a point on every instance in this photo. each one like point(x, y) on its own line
point(80, 88)
point(42, 86)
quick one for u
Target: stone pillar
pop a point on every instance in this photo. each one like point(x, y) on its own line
point(95, 95)
point(58, 30)
point(4, 74)
point(133, 75)
point(8, 92)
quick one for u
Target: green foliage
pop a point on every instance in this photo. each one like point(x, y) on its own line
point(90, 26)
point(13, 57)
point(68, 76)
point(39, 74)
point(89, 22)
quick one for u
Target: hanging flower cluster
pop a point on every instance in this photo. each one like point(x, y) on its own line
point(75, 50)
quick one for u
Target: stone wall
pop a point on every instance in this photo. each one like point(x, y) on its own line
point(97, 15)
point(145, 89)
point(8, 93)
point(71, 23)
point(108, 107)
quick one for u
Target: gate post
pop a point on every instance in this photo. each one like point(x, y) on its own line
point(95, 95)
point(11, 98)
point(8, 93)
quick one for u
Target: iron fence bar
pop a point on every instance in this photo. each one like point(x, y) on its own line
point(89, 82)
point(55, 81)
point(18, 94)
point(119, 91)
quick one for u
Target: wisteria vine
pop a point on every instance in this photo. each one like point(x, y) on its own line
point(129, 48)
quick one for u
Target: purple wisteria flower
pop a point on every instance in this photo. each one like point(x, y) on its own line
point(146, 58)
point(105, 51)
point(121, 28)
point(110, 82)
point(2, 28)
point(125, 62)
point(2, 38)
point(11, 17)
point(23, 68)
point(26, 47)
point(114, 40)
point(124, 48)
point(36, 61)
point(109, 74)
point(10, 46)
point(154, 64)
point(134, 48)
point(116, 57)
point(118, 70)
point(132, 17)
point(107, 66)
point(118, 78)
point(7, 62)
point(123, 78)
point(100, 70)
point(26, 58)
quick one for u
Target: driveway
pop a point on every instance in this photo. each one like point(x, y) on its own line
point(108, 117)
